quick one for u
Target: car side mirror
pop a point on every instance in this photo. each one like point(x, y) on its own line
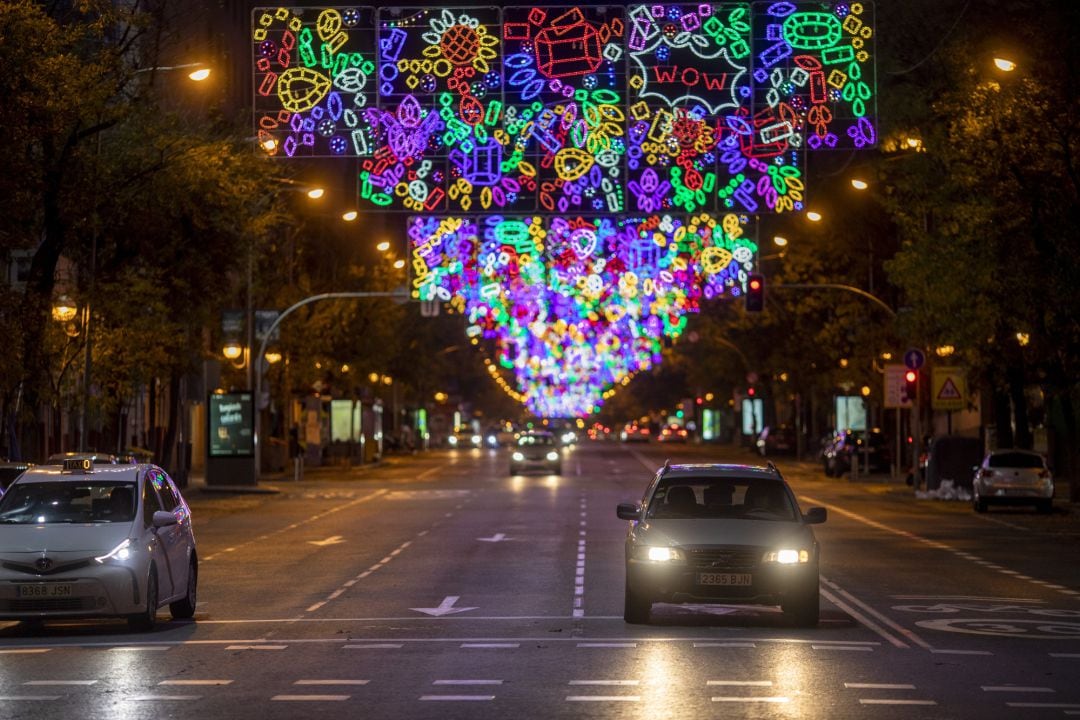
point(628, 511)
point(164, 519)
point(815, 515)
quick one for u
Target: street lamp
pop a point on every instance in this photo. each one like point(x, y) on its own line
point(813, 216)
point(1004, 64)
point(349, 216)
point(859, 184)
point(64, 310)
point(383, 246)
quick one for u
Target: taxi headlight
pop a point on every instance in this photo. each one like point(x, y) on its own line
point(552, 456)
point(120, 552)
point(518, 457)
point(787, 556)
point(476, 439)
point(451, 440)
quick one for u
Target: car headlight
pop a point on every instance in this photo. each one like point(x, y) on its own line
point(518, 457)
point(120, 552)
point(552, 456)
point(476, 439)
point(451, 440)
point(492, 440)
point(660, 554)
point(787, 556)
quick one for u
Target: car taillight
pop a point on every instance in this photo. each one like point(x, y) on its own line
point(1043, 474)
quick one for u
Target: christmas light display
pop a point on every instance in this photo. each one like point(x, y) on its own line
point(581, 177)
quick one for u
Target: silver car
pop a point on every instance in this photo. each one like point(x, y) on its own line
point(721, 534)
point(89, 540)
point(1013, 477)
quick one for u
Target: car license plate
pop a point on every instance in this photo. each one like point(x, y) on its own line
point(733, 579)
point(43, 590)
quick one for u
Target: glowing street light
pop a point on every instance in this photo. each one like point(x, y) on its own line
point(272, 356)
point(383, 246)
point(349, 216)
point(780, 241)
point(859, 184)
point(813, 216)
point(232, 350)
point(316, 193)
point(398, 264)
point(64, 310)
point(200, 74)
point(1004, 64)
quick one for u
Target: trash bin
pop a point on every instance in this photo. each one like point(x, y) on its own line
point(951, 458)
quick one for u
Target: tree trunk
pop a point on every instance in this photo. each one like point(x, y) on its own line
point(1002, 420)
point(168, 450)
point(1024, 438)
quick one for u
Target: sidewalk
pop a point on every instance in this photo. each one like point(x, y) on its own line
point(270, 482)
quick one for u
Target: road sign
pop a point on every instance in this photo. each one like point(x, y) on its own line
point(914, 358)
point(896, 387)
point(948, 388)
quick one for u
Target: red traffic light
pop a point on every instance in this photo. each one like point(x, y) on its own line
point(910, 376)
point(751, 392)
point(755, 284)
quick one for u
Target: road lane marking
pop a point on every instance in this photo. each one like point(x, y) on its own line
point(139, 648)
point(25, 651)
point(740, 683)
point(960, 652)
point(256, 647)
point(603, 698)
point(607, 644)
point(891, 701)
point(349, 583)
point(846, 648)
point(878, 686)
point(195, 683)
point(467, 682)
point(331, 682)
point(967, 597)
point(607, 683)
point(295, 525)
point(476, 645)
point(29, 698)
point(1042, 705)
point(866, 621)
point(310, 698)
point(917, 538)
point(169, 698)
point(578, 609)
point(42, 683)
point(373, 646)
point(751, 699)
point(456, 698)
point(1016, 688)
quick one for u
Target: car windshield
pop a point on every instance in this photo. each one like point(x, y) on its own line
point(81, 501)
point(536, 440)
point(1016, 460)
point(710, 497)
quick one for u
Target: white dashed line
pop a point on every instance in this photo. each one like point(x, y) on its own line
point(373, 646)
point(331, 682)
point(606, 645)
point(607, 683)
point(740, 683)
point(603, 698)
point(749, 645)
point(467, 682)
point(310, 698)
point(43, 683)
point(1016, 688)
point(256, 647)
point(1043, 705)
point(139, 648)
point(890, 701)
point(751, 699)
point(169, 698)
point(878, 686)
point(27, 651)
point(29, 698)
point(961, 652)
point(845, 648)
point(456, 698)
point(490, 645)
point(195, 683)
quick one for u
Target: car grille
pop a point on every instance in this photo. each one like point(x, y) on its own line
point(31, 569)
point(724, 557)
point(34, 605)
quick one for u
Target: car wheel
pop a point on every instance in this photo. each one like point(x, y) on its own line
point(185, 608)
point(802, 608)
point(144, 621)
point(978, 503)
point(636, 609)
point(1045, 507)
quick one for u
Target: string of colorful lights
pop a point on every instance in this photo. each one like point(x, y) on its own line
point(583, 176)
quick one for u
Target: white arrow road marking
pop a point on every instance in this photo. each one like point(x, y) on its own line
point(446, 607)
point(497, 537)
point(335, 540)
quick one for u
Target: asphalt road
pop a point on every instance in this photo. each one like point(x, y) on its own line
point(437, 586)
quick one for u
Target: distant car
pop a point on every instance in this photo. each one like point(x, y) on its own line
point(1013, 477)
point(672, 434)
point(778, 440)
point(836, 455)
point(86, 540)
point(98, 458)
point(536, 449)
point(635, 433)
point(10, 470)
point(721, 534)
point(465, 439)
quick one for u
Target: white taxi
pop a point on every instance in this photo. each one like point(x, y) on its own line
point(86, 540)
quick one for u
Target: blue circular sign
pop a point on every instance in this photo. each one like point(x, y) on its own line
point(914, 358)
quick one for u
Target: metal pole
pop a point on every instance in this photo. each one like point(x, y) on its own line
point(273, 326)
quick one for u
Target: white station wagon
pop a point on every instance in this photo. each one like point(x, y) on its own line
point(85, 540)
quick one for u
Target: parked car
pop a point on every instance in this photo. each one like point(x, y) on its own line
point(836, 456)
point(89, 540)
point(1013, 477)
point(779, 440)
point(721, 534)
point(98, 458)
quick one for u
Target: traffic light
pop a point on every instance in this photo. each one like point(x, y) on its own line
point(911, 385)
point(755, 293)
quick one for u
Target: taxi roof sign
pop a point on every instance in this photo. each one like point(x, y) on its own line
point(83, 465)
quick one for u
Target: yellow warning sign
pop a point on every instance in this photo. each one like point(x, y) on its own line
point(948, 388)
